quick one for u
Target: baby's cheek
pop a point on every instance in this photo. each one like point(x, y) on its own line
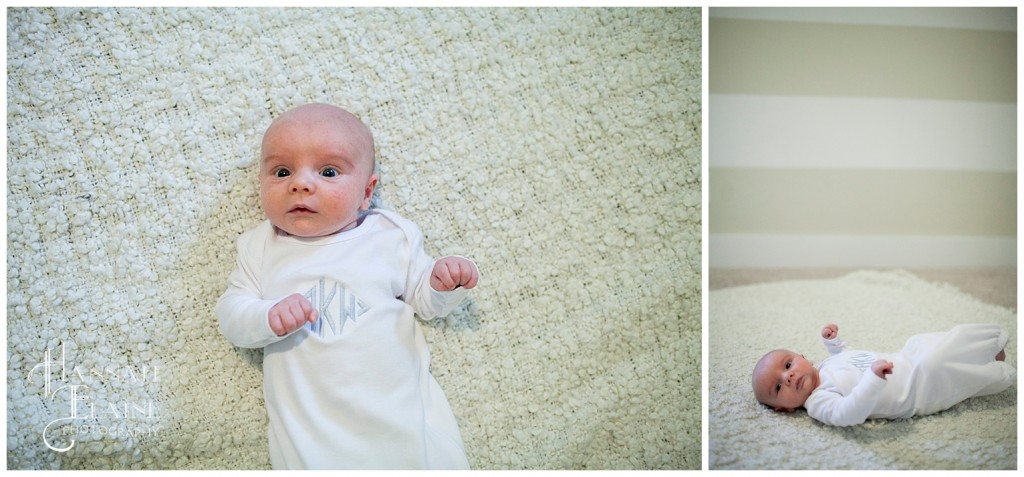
point(269, 198)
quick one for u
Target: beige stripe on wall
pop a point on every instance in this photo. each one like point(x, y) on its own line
point(817, 59)
point(861, 202)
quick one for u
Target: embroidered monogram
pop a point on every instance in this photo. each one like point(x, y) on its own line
point(862, 361)
point(334, 305)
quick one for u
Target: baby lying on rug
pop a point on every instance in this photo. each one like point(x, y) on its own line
point(933, 372)
point(328, 286)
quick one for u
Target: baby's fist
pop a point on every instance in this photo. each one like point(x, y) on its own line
point(881, 368)
point(453, 272)
point(290, 314)
point(830, 331)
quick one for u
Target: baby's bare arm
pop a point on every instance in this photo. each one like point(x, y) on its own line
point(291, 314)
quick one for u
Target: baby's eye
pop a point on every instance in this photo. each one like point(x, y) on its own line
point(788, 364)
point(282, 172)
point(778, 387)
point(329, 172)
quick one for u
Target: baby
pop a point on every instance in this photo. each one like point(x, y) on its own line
point(328, 287)
point(933, 372)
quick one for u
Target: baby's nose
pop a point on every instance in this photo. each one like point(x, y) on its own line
point(301, 183)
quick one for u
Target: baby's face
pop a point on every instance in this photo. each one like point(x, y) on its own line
point(784, 379)
point(316, 171)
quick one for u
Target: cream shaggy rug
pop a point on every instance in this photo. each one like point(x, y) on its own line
point(875, 310)
point(559, 148)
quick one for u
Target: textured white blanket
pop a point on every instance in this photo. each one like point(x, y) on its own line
point(876, 311)
point(559, 148)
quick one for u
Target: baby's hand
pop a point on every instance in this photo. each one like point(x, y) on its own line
point(290, 314)
point(881, 368)
point(453, 272)
point(830, 331)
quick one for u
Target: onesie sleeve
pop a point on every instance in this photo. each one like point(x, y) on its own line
point(834, 409)
point(834, 345)
point(241, 312)
point(427, 302)
point(430, 303)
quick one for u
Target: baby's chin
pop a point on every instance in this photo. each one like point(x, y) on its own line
point(302, 232)
point(314, 231)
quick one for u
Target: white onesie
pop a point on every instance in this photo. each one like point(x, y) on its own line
point(352, 390)
point(933, 372)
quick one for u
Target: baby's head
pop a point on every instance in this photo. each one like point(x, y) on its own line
point(783, 380)
point(316, 170)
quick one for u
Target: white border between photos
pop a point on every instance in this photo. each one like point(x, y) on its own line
point(705, 186)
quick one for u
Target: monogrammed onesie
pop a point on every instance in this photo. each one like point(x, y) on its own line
point(352, 390)
point(933, 372)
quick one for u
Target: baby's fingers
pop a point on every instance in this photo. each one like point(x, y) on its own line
point(274, 320)
point(466, 274)
point(829, 331)
point(308, 312)
point(453, 272)
point(881, 368)
point(290, 314)
point(282, 321)
point(441, 278)
point(470, 282)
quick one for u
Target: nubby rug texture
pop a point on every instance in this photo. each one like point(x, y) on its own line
point(877, 311)
point(558, 148)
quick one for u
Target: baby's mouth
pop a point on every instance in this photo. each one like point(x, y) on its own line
point(301, 209)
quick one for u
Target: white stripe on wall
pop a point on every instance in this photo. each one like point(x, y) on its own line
point(871, 133)
point(806, 251)
point(982, 18)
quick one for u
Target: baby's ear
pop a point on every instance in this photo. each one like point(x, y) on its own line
point(368, 192)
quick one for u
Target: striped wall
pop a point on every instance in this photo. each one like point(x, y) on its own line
point(863, 137)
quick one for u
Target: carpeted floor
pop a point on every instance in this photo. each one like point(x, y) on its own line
point(751, 312)
point(559, 148)
point(995, 286)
